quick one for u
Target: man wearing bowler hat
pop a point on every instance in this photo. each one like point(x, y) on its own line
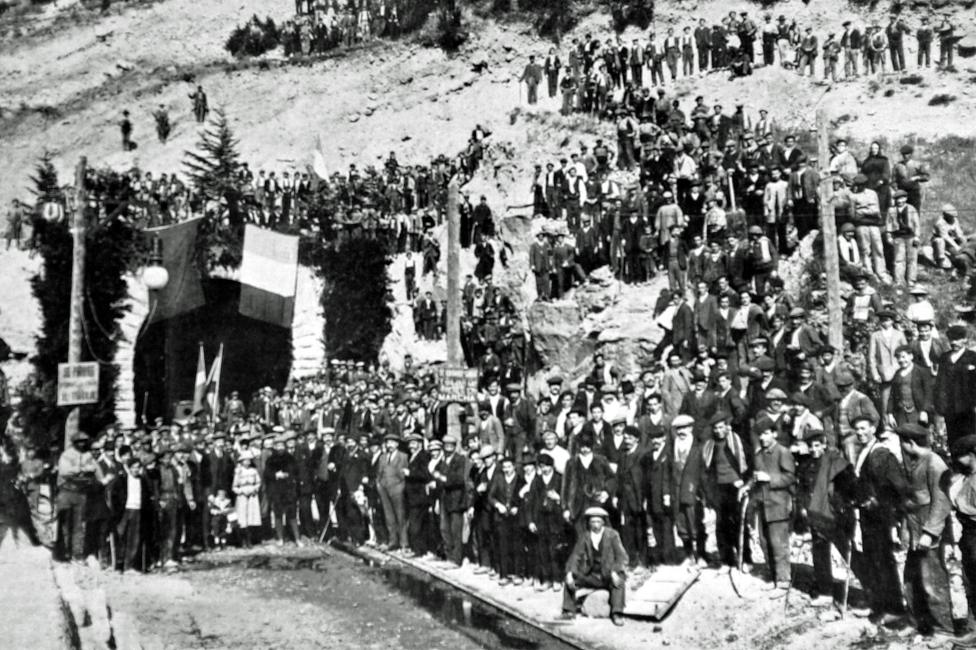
point(955, 385)
point(391, 472)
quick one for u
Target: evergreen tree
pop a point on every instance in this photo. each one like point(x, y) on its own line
point(45, 180)
point(213, 169)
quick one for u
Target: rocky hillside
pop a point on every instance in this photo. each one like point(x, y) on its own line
point(66, 75)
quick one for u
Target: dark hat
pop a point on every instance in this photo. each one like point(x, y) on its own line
point(555, 379)
point(698, 377)
point(800, 398)
point(827, 349)
point(585, 439)
point(814, 434)
point(764, 424)
point(860, 179)
point(755, 230)
point(963, 446)
point(631, 430)
point(844, 379)
point(719, 417)
point(391, 436)
point(765, 363)
point(956, 332)
point(907, 149)
point(484, 407)
point(847, 227)
point(79, 436)
point(546, 459)
point(913, 432)
point(900, 194)
point(886, 314)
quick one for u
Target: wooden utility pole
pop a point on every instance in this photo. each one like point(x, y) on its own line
point(455, 356)
point(79, 226)
point(828, 230)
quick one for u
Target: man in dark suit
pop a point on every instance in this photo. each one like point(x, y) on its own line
point(802, 193)
point(390, 479)
point(911, 396)
point(545, 521)
point(658, 482)
point(598, 561)
point(588, 481)
point(354, 468)
point(955, 385)
point(452, 478)
point(700, 404)
point(417, 479)
point(309, 457)
point(427, 316)
point(629, 499)
point(772, 497)
point(926, 349)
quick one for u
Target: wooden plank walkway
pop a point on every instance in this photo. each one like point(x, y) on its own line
point(652, 598)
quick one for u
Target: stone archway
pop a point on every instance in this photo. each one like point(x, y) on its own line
point(307, 334)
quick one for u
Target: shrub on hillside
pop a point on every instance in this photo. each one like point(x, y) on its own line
point(254, 38)
point(631, 12)
point(555, 17)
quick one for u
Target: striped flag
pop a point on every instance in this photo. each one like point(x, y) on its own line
point(269, 273)
point(200, 383)
point(212, 390)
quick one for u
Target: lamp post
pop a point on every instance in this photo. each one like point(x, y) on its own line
point(155, 277)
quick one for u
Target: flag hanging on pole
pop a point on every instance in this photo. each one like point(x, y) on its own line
point(212, 390)
point(184, 291)
point(269, 273)
point(200, 383)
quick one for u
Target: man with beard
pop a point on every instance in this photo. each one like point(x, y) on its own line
point(657, 488)
point(546, 523)
point(280, 481)
point(76, 477)
point(505, 501)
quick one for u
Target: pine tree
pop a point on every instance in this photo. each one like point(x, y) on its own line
point(45, 180)
point(213, 169)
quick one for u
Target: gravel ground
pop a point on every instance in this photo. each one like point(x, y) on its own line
point(299, 598)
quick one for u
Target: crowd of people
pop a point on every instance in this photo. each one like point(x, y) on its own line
point(720, 195)
point(786, 439)
point(590, 73)
point(321, 26)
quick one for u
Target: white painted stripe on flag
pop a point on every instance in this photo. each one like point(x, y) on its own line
point(270, 261)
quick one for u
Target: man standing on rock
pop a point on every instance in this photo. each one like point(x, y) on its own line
point(126, 127)
point(532, 76)
point(540, 262)
point(902, 231)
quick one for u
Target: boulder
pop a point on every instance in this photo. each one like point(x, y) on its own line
point(967, 46)
point(556, 335)
point(597, 604)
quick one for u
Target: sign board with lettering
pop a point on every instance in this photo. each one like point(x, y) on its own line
point(457, 384)
point(77, 383)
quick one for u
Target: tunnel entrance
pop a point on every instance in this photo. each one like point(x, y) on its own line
point(256, 353)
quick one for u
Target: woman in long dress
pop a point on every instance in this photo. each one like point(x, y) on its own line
point(247, 485)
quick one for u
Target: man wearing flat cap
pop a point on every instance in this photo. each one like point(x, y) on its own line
point(826, 491)
point(868, 222)
point(724, 469)
point(903, 231)
point(926, 508)
point(451, 475)
point(955, 385)
point(520, 422)
point(910, 175)
point(598, 561)
point(911, 396)
point(772, 487)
